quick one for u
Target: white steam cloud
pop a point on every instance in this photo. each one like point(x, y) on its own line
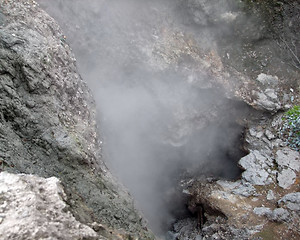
point(159, 115)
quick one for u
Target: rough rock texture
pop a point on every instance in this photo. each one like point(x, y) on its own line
point(34, 208)
point(291, 201)
point(47, 118)
point(249, 56)
point(271, 168)
point(265, 201)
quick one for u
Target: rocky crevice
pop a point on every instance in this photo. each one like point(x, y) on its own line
point(48, 126)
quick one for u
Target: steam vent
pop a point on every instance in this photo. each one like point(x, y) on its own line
point(144, 120)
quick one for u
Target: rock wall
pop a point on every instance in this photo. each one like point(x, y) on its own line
point(47, 118)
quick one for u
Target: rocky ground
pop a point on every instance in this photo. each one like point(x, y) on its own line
point(264, 202)
point(246, 50)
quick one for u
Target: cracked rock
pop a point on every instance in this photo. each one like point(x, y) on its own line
point(288, 158)
point(254, 164)
point(286, 178)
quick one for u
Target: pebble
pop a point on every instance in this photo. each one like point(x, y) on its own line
point(270, 195)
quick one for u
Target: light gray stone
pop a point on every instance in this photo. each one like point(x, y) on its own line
point(262, 211)
point(269, 134)
point(244, 189)
point(257, 176)
point(287, 157)
point(248, 161)
point(291, 201)
point(271, 94)
point(254, 164)
point(270, 195)
point(265, 102)
point(280, 215)
point(34, 208)
point(267, 79)
point(286, 178)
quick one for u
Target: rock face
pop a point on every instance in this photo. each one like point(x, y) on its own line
point(34, 208)
point(47, 119)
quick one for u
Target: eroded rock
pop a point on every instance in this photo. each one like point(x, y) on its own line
point(34, 208)
point(255, 165)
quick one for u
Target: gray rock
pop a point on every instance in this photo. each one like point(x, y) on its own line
point(186, 229)
point(291, 201)
point(216, 236)
point(286, 178)
point(34, 208)
point(262, 211)
point(280, 215)
point(267, 79)
point(248, 161)
point(257, 176)
point(254, 164)
point(270, 195)
point(269, 134)
point(270, 93)
point(266, 101)
point(244, 189)
point(287, 157)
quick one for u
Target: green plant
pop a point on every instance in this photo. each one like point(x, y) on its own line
point(291, 127)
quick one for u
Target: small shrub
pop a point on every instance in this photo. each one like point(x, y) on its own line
point(291, 127)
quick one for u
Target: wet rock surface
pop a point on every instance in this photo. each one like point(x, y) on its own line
point(47, 119)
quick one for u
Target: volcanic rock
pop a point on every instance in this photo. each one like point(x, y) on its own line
point(47, 119)
point(34, 208)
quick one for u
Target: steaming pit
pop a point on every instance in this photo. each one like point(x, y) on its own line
point(171, 139)
point(164, 114)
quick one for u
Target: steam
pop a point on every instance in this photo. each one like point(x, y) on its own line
point(159, 115)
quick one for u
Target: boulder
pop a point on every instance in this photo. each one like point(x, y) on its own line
point(32, 207)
